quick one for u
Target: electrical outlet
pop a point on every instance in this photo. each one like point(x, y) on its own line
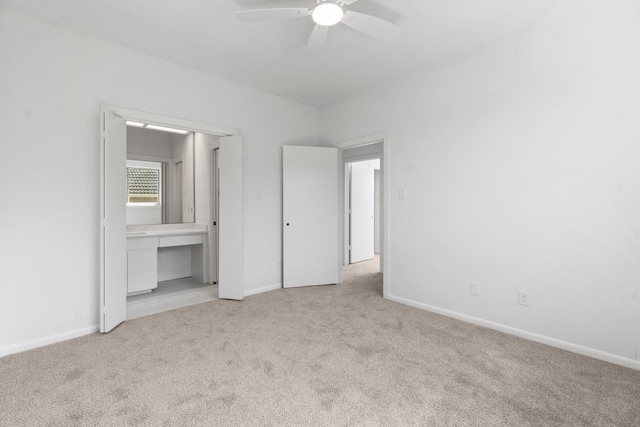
point(474, 288)
point(523, 298)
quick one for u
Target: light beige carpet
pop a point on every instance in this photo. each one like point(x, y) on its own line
point(329, 355)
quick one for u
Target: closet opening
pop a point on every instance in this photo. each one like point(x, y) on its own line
point(172, 180)
point(170, 214)
point(362, 214)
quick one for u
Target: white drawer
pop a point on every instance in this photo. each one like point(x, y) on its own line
point(142, 243)
point(167, 241)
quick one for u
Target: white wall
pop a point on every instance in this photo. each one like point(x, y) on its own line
point(178, 198)
point(174, 263)
point(521, 164)
point(52, 82)
point(203, 152)
point(188, 176)
point(370, 151)
point(204, 170)
point(149, 142)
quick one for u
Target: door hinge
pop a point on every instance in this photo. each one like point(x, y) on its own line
point(104, 309)
point(103, 222)
point(214, 223)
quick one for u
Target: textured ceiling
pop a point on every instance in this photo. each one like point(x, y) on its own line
point(206, 35)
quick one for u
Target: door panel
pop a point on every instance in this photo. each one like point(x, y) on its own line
point(214, 203)
point(362, 211)
point(230, 214)
point(310, 216)
point(113, 242)
point(377, 209)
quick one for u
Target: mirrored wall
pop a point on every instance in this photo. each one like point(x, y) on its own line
point(160, 175)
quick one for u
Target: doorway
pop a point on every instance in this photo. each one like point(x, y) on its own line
point(183, 277)
point(369, 147)
point(114, 274)
point(362, 212)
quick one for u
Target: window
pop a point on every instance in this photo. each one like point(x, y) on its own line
point(143, 183)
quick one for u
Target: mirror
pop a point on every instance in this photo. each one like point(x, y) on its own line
point(160, 176)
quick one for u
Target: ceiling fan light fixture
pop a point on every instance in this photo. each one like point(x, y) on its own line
point(327, 13)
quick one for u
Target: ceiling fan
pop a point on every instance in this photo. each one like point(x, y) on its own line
point(325, 14)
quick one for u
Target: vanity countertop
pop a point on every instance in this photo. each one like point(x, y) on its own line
point(165, 232)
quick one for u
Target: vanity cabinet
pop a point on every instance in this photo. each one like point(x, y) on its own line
point(142, 264)
point(144, 244)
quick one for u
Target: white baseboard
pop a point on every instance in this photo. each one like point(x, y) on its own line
point(52, 339)
point(263, 289)
point(174, 276)
point(553, 342)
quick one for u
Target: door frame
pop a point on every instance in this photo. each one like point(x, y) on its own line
point(385, 252)
point(151, 118)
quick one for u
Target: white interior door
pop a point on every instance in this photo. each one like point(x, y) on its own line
point(230, 218)
point(214, 204)
point(113, 242)
point(362, 211)
point(377, 232)
point(310, 215)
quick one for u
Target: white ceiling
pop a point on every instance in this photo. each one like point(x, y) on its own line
point(206, 35)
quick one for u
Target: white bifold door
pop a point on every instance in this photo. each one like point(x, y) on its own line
point(113, 222)
point(310, 216)
point(231, 218)
point(362, 203)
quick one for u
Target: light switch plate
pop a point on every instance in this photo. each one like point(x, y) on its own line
point(523, 298)
point(474, 288)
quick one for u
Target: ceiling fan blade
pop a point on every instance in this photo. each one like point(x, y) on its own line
point(348, 2)
point(272, 14)
point(371, 25)
point(317, 39)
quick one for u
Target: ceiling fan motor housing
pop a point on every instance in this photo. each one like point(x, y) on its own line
point(327, 12)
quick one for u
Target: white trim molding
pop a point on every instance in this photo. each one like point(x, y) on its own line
point(52, 339)
point(531, 336)
point(363, 140)
point(162, 120)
